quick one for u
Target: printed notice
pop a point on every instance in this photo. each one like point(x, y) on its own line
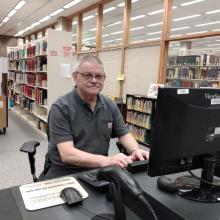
point(1, 104)
point(153, 90)
point(47, 193)
point(65, 70)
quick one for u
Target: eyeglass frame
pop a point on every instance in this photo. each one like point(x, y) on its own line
point(89, 76)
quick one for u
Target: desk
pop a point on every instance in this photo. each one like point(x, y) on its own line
point(167, 206)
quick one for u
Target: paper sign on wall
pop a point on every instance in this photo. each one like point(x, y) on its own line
point(153, 90)
point(1, 104)
point(65, 70)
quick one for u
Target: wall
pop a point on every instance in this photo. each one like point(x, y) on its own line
point(4, 42)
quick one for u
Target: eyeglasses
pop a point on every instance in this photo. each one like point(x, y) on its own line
point(89, 76)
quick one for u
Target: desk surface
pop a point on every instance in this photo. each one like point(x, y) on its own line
point(167, 206)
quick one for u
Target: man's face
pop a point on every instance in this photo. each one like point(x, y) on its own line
point(90, 79)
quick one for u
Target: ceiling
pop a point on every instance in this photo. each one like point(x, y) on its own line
point(143, 25)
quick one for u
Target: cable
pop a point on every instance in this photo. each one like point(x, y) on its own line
point(93, 213)
point(199, 178)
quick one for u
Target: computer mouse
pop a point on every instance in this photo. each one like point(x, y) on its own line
point(166, 184)
point(71, 196)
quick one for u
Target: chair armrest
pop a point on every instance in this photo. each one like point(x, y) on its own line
point(30, 147)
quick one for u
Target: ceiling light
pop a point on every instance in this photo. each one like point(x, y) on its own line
point(177, 29)
point(123, 4)
point(1, 24)
point(136, 28)
point(35, 24)
point(156, 32)
point(210, 45)
point(115, 23)
point(192, 2)
point(109, 9)
point(216, 30)
point(5, 19)
point(105, 35)
point(155, 24)
point(212, 12)
point(206, 24)
point(56, 12)
point(19, 5)
point(198, 32)
point(28, 28)
point(72, 3)
point(187, 17)
point(108, 41)
point(74, 23)
point(11, 13)
point(156, 38)
point(117, 32)
point(119, 39)
point(176, 35)
point(137, 17)
point(44, 19)
point(93, 29)
point(90, 38)
point(138, 41)
point(88, 17)
point(159, 11)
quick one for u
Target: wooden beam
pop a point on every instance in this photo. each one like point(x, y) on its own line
point(99, 27)
point(164, 43)
point(126, 24)
point(79, 33)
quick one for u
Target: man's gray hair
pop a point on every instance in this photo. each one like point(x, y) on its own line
point(87, 58)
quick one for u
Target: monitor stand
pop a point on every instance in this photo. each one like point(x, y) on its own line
point(198, 190)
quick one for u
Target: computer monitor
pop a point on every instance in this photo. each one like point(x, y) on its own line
point(186, 136)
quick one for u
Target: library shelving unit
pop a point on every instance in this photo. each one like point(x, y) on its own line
point(34, 75)
point(139, 116)
point(193, 71)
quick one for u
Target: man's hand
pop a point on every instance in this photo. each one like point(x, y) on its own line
point(120, 160)
point(139, 154)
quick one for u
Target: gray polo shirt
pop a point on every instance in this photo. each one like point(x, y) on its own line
point(71, 119)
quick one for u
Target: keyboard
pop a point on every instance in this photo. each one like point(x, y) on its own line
point(90, 177)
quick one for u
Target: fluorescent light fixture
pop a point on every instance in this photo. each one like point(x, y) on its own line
point(28, 28)
point(156, 32)
point(138, 41)
point(191, 2)
point(20, 5)
point(1, 24)
point(176, 35)
point(74, 23)
point(5, 19)
point(35, 24)
point(210, 45)
point(109, 9)
point(11, 13)
point(155, 24)
point(119, 39)
point(180, 28)
point(90, 38)
point(108, 41)
point(216, 30)
point(115, 23)
point(159, 11)
point(156, 38)
point(56, 12)
point(20, 32)
point(187, 17)
point(206, 24)
point(105, 35)
point(44, 19)
point(137, 17)
point(123, 4)
point(73, 35)
point(217, 40)
point(88, 17)
point(198, 32)
point(212, 12)
point(93, 29)
point(117, 32)
point(137, 28)
point(72, 3)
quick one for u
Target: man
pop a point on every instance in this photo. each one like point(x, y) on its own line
point(82, 122)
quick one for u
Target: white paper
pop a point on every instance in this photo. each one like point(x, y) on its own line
point(65, 70)
point(47, 193)
point(153, 90)
point(1, 104)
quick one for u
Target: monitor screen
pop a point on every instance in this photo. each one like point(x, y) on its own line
point(185, 130)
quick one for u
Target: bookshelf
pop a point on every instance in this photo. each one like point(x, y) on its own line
point(139, 115)
point(193, 71)
point(34, 81)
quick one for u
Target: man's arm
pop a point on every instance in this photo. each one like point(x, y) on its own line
point(132, 147)
point(71, 155)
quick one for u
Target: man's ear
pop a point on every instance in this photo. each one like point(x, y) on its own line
point(74, 76)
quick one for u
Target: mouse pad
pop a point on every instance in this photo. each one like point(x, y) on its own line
point(9, 209)
point(47, 193)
